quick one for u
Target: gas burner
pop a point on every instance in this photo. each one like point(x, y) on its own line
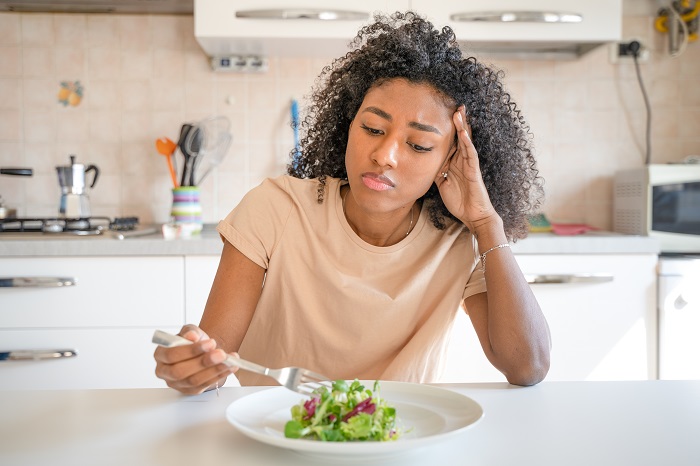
point(76, 226)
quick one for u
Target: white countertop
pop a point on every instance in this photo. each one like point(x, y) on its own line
point(209, 243)
point(554, 423)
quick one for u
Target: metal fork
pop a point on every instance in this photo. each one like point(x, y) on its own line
point(297, 379)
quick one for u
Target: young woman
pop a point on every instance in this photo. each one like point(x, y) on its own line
point(414, 175)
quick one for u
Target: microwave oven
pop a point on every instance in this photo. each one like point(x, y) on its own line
point(662, 201)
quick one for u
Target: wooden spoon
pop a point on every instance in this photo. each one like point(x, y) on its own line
point(167, 147)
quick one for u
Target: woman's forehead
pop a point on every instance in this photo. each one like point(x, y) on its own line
point(401, 96)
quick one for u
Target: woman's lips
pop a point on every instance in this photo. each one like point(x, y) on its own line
point(377, 182)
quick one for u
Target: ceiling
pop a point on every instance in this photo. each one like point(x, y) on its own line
point(182, 7)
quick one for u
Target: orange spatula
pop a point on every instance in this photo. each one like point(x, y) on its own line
point(167, 147)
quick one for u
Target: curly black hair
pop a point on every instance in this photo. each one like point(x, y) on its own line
point(405, 45)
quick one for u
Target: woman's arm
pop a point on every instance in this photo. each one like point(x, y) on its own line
point(507, 318)
point(508, 321)
point(234, 295)
point(192, 369)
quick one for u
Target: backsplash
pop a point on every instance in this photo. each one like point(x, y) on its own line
point(142, 76)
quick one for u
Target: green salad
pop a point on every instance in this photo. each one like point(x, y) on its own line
point(343, 413)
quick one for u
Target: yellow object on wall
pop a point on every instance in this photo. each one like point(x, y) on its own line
point(70, 93)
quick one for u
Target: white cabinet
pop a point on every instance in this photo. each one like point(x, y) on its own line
point(553, 28)
point(600, 330)
point(280, 27)
point(108, 317)
point(199, 276)
point(529, 21)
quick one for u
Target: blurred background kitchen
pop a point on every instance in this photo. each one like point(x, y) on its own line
point(143, 76)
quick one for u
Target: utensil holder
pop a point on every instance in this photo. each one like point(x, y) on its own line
point(186, 210)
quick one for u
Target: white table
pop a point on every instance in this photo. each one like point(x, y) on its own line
point(555, 423)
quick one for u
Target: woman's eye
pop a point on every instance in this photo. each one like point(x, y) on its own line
point(372, 131)
point(418, 148)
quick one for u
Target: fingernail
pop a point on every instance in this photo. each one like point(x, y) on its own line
point(208, 345)
point(459, 117)
point(218, 357)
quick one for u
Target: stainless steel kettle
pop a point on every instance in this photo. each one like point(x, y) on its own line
point(72, 178)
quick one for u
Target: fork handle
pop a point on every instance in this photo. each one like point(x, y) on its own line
point(168, 340)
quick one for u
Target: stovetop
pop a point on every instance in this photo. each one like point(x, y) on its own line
point(85, 226)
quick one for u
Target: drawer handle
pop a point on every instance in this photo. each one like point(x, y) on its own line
point(568, 278)
point(303, 13)
point(36, 282)
point(519, 17)
point(37, 355)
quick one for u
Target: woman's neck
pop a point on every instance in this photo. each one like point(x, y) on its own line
point(381, 232)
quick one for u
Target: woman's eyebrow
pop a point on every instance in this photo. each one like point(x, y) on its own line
point(414, 124)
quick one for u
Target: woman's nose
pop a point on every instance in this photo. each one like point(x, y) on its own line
point(386, 154)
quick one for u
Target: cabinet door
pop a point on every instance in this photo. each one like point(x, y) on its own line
point(106, 358)
point(199, 276)
point(474, 21)
point(279, 27)
point(679, 314)
point(600, 331)
point(109, 291)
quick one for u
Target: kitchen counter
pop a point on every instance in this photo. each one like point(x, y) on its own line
point(209, 243)
point(554, 423)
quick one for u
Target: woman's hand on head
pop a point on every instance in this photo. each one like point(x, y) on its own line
point(192, 369)
point(463, 191)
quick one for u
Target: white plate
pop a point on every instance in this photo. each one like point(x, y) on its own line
point(432, 414)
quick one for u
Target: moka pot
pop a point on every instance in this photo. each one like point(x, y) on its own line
point(75, 202)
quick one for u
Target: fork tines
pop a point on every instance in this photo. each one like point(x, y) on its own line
point(310, 381)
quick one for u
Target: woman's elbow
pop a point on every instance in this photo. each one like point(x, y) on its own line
point(530, 373)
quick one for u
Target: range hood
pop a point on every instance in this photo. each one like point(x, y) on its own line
point(540, 29)
point(178, 7)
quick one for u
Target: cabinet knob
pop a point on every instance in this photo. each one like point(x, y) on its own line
point(519, 17)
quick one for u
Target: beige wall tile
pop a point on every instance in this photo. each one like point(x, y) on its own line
point(134, 32)
point(104, 63)
point(102, 31)
point(167, 95)
point(37, 62)
point(8, 154)
point(37, 29)
point(10, 28)
point(104, 126)
point(169, 32)
point(167, 63)
point(70, 30)
point(72, 125)
point(104, 95)
point(136, 95)
point(39, 126)
point(10, 94)
point(70, 63)
point(136, 64)
point(40, 94)
point(10, 61)
point(136, 127)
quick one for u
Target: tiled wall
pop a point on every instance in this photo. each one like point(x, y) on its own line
point(143, 76)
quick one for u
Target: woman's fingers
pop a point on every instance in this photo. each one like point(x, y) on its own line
point(192, 368)
point(196, 374)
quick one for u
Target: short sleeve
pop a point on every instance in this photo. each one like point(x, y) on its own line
point(477, 282)
point(256, 224)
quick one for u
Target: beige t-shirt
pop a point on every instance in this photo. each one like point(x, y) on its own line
point(339, 306)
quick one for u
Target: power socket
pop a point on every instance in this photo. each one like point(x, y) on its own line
point(623, 52)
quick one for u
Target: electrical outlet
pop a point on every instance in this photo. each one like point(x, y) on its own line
point(623, 52)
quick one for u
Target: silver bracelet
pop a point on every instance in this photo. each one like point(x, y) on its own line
point(483, 256)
